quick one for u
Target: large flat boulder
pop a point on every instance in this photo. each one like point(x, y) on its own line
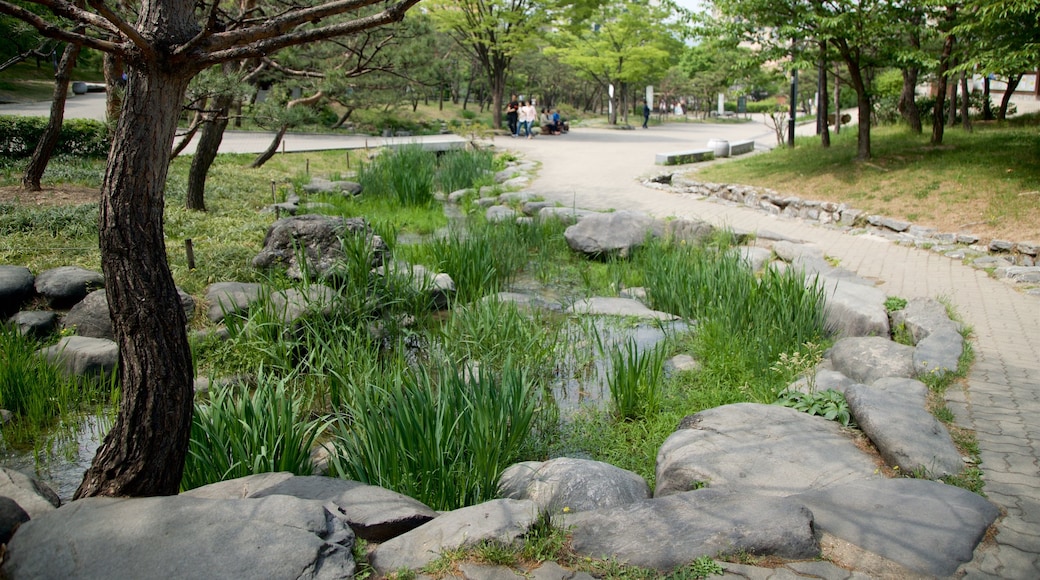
point(758, 449)
point(572, 485)
point(234, 298)
point(500, 520)
point(31, 494)
point(67, 285)
point(867, 359)
point(603, 234)
point(670, 532)
point(854, 309)
point(16, 286)
point(375, 514)
point(184, 537)
point(892, 414)
point(924, 316)
point(610, 306)
point(83, 355)
point(90, 316)
point(938, 353)
point(929, 527)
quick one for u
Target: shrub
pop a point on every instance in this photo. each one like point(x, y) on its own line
point(80, 137)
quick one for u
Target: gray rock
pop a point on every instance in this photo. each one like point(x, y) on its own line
point(90, 316)
point(518, 182)
point(457, 195)
point(892, 414)
point(825, 379)
point(922, 317)
point(11, 517)
point(32, 495)
point(502, 520)
point(319, 185)
point(789, 251)
point(609, 306)
point(83, 355)
point(226, 298)
point(928, 527)
point(35, 323)
point(318, 240)
point(939, 352)
point(854, 309)
point(67, 285)
point(1001, 246)
point(1023, 274)
point(375, 514)
point(291, 304)
point(523, 300)
point(867, 359)
point(518, 197)
point(533, 208)
point(755, 258)
point(1028, 248)
point(747, 447)
point(691, 231)
point(506, 174)
point(500, 213)
point(16, 286)
point(609, 233)
point(574, 484)
point(681, 363)
point(184, 537)
point(670, 532)
point(567, 215)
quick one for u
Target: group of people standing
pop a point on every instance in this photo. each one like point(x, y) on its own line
point(522, 117)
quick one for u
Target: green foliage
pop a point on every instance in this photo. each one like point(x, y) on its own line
point(493, 332)
point(443, 440)
point(37, 392)
point(635, 380)
point(461, 169)
point(405, 173)
point(829, 404)
point(238, 433)
point(893, 303)
point(475, 259)
point(703, 567)
point(80, 137)
point(66, 222)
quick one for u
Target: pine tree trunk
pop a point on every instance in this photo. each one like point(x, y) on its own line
point(49, 140)
point(938, 120)
point(144, 452)
point(821, 92)
point(206, 152)
point(271, 149)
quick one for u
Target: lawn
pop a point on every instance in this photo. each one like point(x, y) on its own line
point(986, 182)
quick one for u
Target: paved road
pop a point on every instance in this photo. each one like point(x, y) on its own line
point(598, 169)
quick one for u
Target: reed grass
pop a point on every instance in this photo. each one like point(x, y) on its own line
point(443, 439)
point(635, 380)
point(238, 433)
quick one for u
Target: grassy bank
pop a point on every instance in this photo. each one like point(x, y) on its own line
point(986, 182)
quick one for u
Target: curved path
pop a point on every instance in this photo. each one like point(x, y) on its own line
point(599, 169)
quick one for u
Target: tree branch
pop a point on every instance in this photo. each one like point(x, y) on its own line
point(125, 28)
point(50, 30)
point(263, 47)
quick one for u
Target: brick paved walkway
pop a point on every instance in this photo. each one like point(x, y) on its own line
point(598, 170)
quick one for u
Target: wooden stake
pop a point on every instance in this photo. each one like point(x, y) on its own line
point(190, 252)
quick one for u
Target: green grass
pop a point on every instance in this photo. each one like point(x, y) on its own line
point(977, 181)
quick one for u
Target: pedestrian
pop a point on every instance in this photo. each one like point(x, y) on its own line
point(528, 115)
point(513, 115)
point(646, 114)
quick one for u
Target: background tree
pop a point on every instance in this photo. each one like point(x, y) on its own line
point(166, 44)
point(494, 32)
point(620, 45)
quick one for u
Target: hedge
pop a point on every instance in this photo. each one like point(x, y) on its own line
point(79, 137)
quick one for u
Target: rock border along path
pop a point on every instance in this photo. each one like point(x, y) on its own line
point(600, 169)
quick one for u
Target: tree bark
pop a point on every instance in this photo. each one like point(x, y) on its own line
point(938, 120)
point(49, 140)
point(271, 149)
point(821, 91)
point(965, 102)
point(865, 110)
point(143, 454)
point(1005, 101)
point(113, 69)
point(987, 107)
point(206, 152)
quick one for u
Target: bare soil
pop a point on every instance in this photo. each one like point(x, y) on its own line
point(50, 195)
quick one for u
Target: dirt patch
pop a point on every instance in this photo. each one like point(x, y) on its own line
point(50, 196)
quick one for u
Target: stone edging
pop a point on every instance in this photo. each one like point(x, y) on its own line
point(1015, 262)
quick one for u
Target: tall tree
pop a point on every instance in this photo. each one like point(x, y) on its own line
point(494, 31)
point(168, 43)
point(620, 45)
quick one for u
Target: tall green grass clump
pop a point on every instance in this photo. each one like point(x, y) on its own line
point(442, 439)
point(238, 433)
point(744, 322)
point(461, 169)
point(37, 392)
point(406, 174)
point(635, 380)
point(494, 332)
point(481, 260)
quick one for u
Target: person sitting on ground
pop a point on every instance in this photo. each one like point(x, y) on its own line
point(561, 124)
point(548, 126)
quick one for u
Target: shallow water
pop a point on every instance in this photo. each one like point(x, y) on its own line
point(65, 455)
